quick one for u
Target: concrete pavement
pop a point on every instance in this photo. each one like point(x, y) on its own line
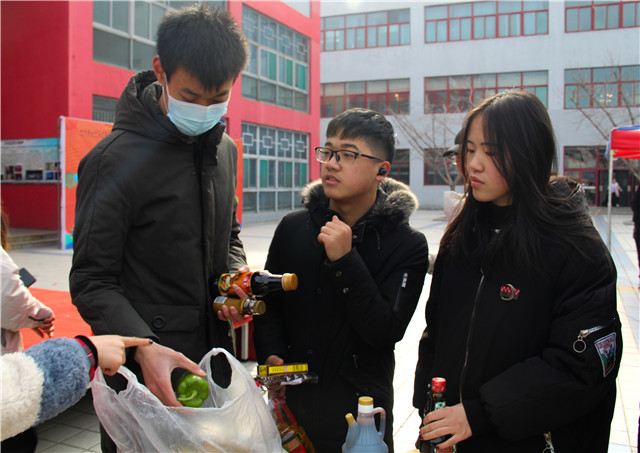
point(76, 430)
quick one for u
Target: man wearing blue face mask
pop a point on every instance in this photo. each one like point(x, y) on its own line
point(156, 207)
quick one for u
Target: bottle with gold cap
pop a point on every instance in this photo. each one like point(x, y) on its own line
point(244, 306)
point(258, 283)
point(362, 436)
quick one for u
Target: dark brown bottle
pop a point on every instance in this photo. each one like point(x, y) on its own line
point(437, 400)
point(258, 283)
point(244, 306)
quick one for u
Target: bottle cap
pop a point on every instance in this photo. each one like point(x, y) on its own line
point(259, 307)
point(438, 385)
point(289, 282)
point(350, 418)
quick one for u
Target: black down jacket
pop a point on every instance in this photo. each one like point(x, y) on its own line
point(533, 357)
point(346, 316)
point(155, 220)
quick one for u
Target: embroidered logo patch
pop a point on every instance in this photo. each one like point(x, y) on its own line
point(509, 292)
point(606, 347)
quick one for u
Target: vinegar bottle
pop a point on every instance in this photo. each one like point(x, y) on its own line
point(363, 437)
point(259, 283)
point(244, 306)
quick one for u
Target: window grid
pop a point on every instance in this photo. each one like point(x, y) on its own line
point(455, 94)
point(124, 32)
point(278, 70)
point(401, 165)
point(614, 86)
point(365, 30)
point(432, 177)
point(384, 96)
point(275, 165)
point(596, 15)
point(485, 20)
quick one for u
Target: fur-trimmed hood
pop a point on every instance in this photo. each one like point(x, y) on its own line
point(394, 203)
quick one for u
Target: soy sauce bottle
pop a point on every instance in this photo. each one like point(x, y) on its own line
point(437, 399)
point(258, 283)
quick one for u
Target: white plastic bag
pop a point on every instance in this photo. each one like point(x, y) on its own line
point(232, 419)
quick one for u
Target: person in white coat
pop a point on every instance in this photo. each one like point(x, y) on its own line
point(20, 309)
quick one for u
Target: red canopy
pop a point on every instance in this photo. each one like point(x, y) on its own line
point(625, 142)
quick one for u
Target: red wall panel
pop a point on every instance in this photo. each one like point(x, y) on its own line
point(34, 68)
point(32, 205)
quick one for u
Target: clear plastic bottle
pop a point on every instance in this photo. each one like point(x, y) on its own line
point(244, 306)
point(258, 283)
point(362, 436)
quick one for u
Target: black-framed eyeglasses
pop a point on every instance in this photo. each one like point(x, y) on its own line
point(343, 156)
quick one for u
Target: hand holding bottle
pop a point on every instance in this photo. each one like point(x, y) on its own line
point(448, 420)
point(231, 313)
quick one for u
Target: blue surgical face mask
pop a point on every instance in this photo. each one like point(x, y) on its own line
point(193, 119)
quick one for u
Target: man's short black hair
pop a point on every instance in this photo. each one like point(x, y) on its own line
point(206, 42)
point(368, 125)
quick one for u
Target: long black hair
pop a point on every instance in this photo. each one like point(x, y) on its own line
point(543, 209)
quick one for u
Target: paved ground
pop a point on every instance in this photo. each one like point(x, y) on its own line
point(76, 430)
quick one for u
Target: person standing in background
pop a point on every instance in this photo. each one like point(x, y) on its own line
point(615, 193)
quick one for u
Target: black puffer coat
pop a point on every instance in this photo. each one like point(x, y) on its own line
point(155, 220)
point(346, 316)
point(504, 340)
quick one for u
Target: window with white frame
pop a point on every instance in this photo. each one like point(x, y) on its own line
point(275, 163)
point(124, 31)
point(278, 70)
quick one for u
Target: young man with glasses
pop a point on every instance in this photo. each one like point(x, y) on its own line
point(360, 268)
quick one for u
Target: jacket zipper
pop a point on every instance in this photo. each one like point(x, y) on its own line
point(579, 345)
point(469, 333)
point(549, 448)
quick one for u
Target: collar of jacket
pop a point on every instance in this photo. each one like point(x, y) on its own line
point(138, 111)
point(393, 206)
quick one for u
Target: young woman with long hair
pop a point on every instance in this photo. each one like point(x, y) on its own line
point(521, 317)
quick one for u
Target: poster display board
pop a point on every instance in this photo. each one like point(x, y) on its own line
point(33, 160)
point(77, 138)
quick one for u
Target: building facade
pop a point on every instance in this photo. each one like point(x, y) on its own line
point(73, 59)
point(425, 64)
